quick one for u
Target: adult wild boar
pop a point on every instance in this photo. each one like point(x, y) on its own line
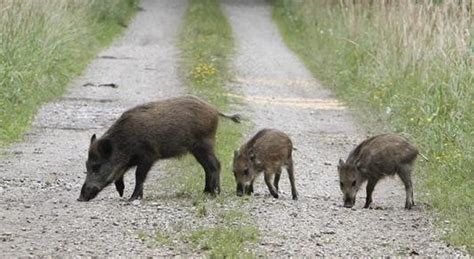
point(268, 151)
point(372, 160)
point(157, 130)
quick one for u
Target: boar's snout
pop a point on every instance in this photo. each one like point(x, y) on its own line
point(88, 193)
point(349, 202)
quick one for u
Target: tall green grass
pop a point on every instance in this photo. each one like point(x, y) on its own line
point(43, 45)
point(207, 46)
point(410, 62)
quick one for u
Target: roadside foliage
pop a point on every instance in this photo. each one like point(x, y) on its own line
point(43, 45)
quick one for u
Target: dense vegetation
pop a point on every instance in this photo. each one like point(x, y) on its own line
point(43, 45)
point(409, 62)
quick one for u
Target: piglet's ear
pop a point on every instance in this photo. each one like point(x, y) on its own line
point(93, 138)
point(341, 164)
point(359, 167)
point(105, 148)
point(253, 158)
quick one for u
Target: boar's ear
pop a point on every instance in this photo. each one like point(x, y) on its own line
point(341, 164)
point(105, 147)
point(93, 138)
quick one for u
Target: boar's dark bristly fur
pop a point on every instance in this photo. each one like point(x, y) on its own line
point(372, 160)
point(157, 130)
point(268, 151)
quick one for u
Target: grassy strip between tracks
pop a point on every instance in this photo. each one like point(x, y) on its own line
point(221, 229)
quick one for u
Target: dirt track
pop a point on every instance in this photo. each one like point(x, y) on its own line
point(40, 178)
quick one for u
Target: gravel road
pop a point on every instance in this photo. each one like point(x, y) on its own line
point(40, 178)
point(281, 93)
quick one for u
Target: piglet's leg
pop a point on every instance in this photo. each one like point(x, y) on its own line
point(370, 189)
point(269, 182)
point(291, 175)
point(405, 175)
point(277, 179)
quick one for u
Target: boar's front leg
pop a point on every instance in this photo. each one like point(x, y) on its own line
point(120, 186)
point(140, 175)
point(268, 180)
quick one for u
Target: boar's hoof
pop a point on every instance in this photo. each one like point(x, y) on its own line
point(135, 197)
point(120, 186)
point(349, 204)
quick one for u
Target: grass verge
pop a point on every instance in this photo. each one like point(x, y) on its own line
point(43, 45)
point(411, 64)
point(206, 45)
point(227, 239)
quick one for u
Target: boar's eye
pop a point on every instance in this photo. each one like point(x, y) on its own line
point(246, 172)
point(342, 184)
point(353, 183)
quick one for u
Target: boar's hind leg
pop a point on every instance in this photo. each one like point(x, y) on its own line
point(370, 189)
point(291, 175)
point(204, 154)
point(405, 174)
point(119, 185)
point(140, 175)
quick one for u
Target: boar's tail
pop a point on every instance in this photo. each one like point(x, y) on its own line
point(235, 117)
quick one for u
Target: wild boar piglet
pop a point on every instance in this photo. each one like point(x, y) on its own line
point(373, 159)
point(268, 151)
